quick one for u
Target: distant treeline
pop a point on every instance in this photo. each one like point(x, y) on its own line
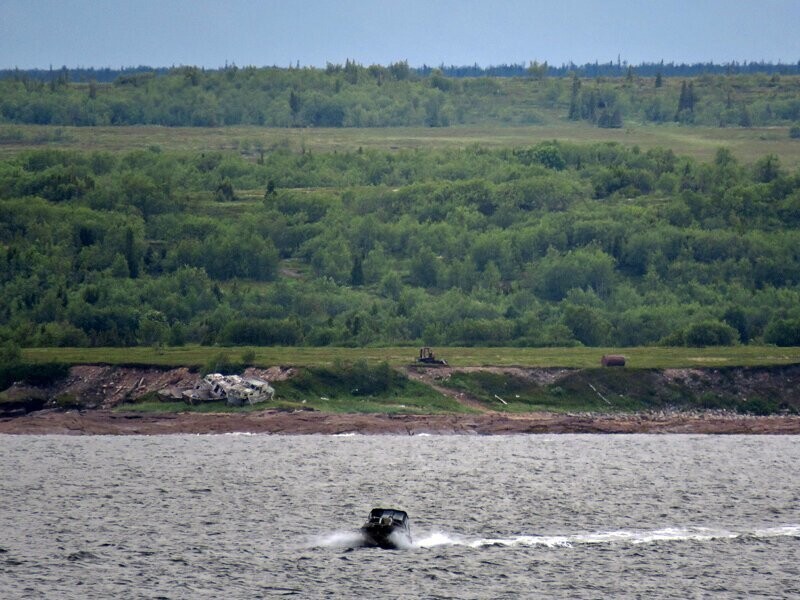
point(352, 95)
point(616, 69)
point(611, 68)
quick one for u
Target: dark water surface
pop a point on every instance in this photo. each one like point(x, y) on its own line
point(243, 516)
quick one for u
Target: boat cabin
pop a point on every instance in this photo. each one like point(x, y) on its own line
point(388, 516)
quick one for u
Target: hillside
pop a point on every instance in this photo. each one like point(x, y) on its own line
point(551, 244)
point(519, 212)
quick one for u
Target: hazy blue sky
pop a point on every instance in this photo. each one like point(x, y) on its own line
point(100, 33)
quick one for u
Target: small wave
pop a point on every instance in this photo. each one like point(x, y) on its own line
point(82, 555)
point(348, 434)
point(783, 531)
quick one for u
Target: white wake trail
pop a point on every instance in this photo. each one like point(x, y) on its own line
point(354, 539)
point(666, 534)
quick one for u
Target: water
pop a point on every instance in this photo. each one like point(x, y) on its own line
point(243, 516)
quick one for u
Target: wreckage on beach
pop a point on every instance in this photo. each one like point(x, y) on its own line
point(234, 389)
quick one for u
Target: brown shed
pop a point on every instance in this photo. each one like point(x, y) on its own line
point(612, 360)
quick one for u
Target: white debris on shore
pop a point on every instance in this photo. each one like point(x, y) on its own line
point(234, 389)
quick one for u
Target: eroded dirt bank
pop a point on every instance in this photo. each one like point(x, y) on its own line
point(105, 422)
point(100, 394)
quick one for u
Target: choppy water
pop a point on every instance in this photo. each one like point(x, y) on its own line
point(241, 516)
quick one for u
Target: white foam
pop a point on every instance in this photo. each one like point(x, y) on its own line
point(437, 538)
point(667, 534)
point(523, 540)
point(339, 539)
point(782, 531)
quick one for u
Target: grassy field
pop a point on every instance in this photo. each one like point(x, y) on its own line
point(748, 144)
point(643, 358)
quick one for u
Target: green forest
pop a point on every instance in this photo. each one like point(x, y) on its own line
point(352, 95)
point(553, 244)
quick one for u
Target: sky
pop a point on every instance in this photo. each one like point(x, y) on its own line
point(208, 33)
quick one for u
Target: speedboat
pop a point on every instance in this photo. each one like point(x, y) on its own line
point(387, 528)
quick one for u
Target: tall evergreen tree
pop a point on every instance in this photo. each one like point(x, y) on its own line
point(357, 273)
point(574, 101)
point(294, 105)
point(682, 99)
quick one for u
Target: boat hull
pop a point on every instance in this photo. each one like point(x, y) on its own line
point(386, 537)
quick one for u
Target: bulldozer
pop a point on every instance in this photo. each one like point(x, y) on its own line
point(426, 357)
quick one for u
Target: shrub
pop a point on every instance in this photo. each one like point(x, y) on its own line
point(262, 332)
point(9, 354)
point(222, 363)
point(783, 332)
point(32, 373)
point(710, 333)
point(367, 380)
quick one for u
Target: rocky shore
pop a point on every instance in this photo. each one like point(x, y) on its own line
point(106, 422)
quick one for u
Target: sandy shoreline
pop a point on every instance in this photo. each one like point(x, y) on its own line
point(104, 422)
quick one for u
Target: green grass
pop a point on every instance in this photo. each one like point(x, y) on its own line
point(747, 144)
point(591, 390)
point(359, 388)
point(637, 358)
point(411, 405)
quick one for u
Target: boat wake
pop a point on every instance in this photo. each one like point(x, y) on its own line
point(669, 534)
point(354, 539)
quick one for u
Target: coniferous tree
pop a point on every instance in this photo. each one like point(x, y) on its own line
point(685, 100)
point(357, 274)
point(574, 101)
point(682, 99)
point(690, 97)
point(130, 255)
point(294, 105)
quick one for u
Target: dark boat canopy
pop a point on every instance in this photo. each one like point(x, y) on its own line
point(376, 514)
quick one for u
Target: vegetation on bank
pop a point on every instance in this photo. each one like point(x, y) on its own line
point(628, 391)
point(363, 387)
point(344, 381)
